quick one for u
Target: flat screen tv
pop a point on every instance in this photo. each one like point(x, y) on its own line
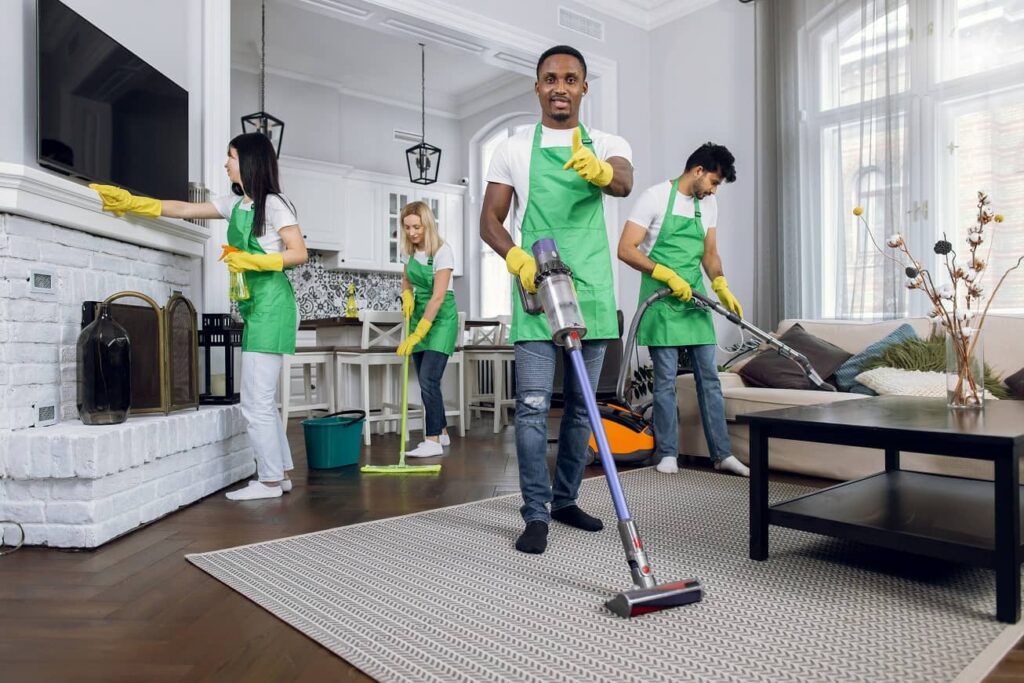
point(105, 115)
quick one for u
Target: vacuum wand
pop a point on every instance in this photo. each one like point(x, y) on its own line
point(556, 298)
point(703, 301)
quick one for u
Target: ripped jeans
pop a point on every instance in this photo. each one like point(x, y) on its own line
point(535, 374)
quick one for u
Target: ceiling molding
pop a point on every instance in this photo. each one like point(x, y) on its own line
point(499, 90)
point(670, 11)
point(344, 89)
point(335, 9)
point(647, 14)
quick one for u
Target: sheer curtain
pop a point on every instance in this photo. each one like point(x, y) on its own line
point(903, 107)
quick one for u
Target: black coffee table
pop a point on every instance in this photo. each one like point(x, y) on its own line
point(964, 520)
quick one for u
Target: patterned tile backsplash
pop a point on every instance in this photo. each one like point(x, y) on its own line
point(321, 293)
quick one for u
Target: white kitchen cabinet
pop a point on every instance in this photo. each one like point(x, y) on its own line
point(394, 198)
point(314, 188)
point(354, 217)
point(362, 249)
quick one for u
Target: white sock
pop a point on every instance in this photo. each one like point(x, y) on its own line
point(254, 491)
point(732, 466)
point(445, 440)
point(426, 449)
point(286, 485)
point(668, 465)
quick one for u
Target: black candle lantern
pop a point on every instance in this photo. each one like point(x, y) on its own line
point(221, 342)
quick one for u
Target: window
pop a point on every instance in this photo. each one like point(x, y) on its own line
point(495, 284)
point(915, 105)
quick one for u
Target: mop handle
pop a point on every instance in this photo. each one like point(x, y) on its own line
point(405, 402)
point(575, 351)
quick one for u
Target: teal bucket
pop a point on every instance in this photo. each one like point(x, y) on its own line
point(334, 440)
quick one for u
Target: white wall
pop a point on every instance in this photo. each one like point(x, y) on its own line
point(164, 33)
point(703, 89)
point(323, 124)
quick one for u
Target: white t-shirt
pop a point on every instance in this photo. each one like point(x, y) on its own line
point(277, 212)
point(510, 164)
point(649, 211)
point(444, 259)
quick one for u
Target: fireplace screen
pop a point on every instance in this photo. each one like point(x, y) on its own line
point(164, 349)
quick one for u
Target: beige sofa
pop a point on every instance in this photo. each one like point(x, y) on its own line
point(1003, 335)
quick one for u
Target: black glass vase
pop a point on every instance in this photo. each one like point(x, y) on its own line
point(104, 371)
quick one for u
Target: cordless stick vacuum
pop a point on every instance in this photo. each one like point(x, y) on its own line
point(556, 297)
point(705, 302)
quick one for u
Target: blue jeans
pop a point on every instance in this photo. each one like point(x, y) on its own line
point(709, 399)
point(430, 369)
point(535, 375)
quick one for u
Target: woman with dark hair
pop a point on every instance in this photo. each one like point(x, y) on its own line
point(262, 226)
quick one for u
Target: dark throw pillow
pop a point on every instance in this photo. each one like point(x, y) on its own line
point(1016, 384)
point(771, 370)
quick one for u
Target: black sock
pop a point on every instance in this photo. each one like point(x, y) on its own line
point(534, 538)
point(573, 516)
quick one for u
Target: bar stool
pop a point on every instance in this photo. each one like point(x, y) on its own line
point(308, 357)
point(492, 356)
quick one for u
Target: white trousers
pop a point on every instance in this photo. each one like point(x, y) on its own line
point(261, 373)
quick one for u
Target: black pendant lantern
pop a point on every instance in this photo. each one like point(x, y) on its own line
point(261, 121)
point(423, 159)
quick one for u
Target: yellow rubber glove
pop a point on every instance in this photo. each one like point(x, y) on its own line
point(408, 303)
point(522, 264)
point(119, 201)
point(241, 261)
point(680, 287)
point(407, 345)
point(589, 167)
point(721, 288)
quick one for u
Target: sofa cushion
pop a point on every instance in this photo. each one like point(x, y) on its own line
point(896, 382)
point(1016, 383)
point(848, 371)
point(769, 369)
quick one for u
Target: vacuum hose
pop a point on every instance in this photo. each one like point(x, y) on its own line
point(703, 301)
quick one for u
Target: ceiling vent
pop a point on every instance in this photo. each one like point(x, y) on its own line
point(579, 23)
point(406, 136)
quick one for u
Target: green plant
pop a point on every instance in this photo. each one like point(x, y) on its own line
point(927, 355)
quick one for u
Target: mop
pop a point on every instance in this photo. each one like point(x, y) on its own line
point(556, 297)
point(401, 467)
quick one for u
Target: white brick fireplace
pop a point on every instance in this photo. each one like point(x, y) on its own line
point(69, 484)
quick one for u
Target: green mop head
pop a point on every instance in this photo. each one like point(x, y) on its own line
point(401, 467)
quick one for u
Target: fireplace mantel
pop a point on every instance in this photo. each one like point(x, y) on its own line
point(48, 197)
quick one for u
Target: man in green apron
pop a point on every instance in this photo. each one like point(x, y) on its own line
point(559, 172)
point(671, 233)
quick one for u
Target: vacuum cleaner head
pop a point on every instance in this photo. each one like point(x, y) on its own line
point(646, 600)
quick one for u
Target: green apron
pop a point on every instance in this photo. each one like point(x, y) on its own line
point(680, 246)
point(445, 329)
point(270, 313)
point(563, 206)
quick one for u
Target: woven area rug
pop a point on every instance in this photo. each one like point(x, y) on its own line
point(443, 596)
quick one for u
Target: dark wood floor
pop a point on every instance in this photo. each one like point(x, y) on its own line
point(135, 610)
